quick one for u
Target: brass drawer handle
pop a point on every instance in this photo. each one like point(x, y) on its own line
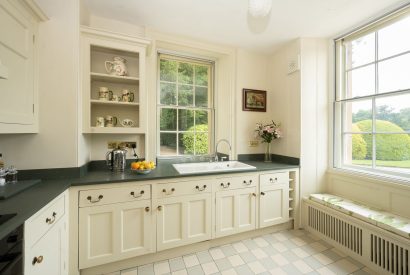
point(94, 201)
point(137, 196)
point(253, 194)
point(147, 209)
point(225, 185)
point(247, 182)
point(263, 193)
point(52, 219)
point(168, 193)
point(37, 260)
point(200, 189)
point(159, 208)
point(271, 180)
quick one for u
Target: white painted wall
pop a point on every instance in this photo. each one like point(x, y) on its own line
point(251, 73)
point(56, 143)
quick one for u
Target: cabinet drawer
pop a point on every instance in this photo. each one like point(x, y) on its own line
point(173, 189)
point(44, 220)
point(274, 178)
point(229, 183)
point(114, 195)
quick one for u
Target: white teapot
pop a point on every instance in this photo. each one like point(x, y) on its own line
point(117, 67)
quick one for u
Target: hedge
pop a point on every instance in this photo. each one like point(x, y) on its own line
point(201, 144)
point(359, 149)
point(388, 147)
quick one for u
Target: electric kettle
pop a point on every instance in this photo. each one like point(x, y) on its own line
point(116, 159)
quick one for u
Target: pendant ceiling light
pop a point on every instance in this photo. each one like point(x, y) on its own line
point(260, 8)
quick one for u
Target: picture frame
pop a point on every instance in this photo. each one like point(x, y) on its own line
point(254, 100)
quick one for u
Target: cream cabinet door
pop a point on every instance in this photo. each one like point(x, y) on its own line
point(235, 211)
point(274, 205)
point(183, 220)
point(113, 232)
point(47, 256)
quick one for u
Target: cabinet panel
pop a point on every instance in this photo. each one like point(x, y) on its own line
point(183, 220)
point(274, 206)
point(235, 211)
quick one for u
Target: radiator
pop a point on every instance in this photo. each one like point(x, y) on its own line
point(380, 250)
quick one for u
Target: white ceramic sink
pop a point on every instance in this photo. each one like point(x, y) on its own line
point(211, 167)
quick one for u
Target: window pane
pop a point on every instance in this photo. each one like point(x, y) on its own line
point(393, 112)
point(393, 151)
point(201, 75)
point(168, 144)
point(202, 143)
point(185, 73)
point(201, 118)
point(168, 70)
point(201, 97)
point(360, 82)
point(394, 39)
point(358, 149)
point(168, 94)
point(168, 119)
point(185, 120)
point(394, 74)
point(358, 116)
point(360, 51)
point(185, 95)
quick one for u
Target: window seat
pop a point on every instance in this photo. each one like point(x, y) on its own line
point(388, 221)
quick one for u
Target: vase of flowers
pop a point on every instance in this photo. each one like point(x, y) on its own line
point(267, 133)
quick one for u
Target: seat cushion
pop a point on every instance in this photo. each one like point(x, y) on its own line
point(377, 217)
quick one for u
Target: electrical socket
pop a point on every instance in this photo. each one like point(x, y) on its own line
point(121, 144)
point(253, 143)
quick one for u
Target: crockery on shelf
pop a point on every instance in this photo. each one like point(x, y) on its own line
point(100, 122)
point(127, 96)
point(104, 94)
point(117, 67)
point(110, 121)
point(127, 123)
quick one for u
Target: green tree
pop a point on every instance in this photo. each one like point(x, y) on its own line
point(359, 148)
point(394, 147)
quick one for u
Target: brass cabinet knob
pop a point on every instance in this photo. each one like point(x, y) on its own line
point(225, 185)
point(52, 219)
point(263, 193)
point(137, 196)
point(159, 207)
point(37, 260)
point(147, 209)
point(168, 193)
point(254, 194)
point(94, 201)
point(272, 180)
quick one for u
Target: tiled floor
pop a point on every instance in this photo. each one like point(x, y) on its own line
point(285, 252)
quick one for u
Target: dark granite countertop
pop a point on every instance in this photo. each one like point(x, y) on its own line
point(29, 201)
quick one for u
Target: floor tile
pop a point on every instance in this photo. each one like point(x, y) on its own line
point(176, 264)
point(290, 256)
point(161, 268)
point(216, 253)
point(280, 260)
point(323, 259)
point(191, 260)
point(243, 270)
point(261, 242)
point(240, 247)
point(204, 257)
point(131, 271)
point(280, 247)
point(229, 272)
point(235, 260)
point(325, 271)
point(290, 269)
point(259, 253)
point(223, 264)
point(343, 267)
point(300, 253)
point(228, 250)
point(313, 262)
point(195, 270)
point(180, 272)
point(248, 257)
point(257, 267)
point(302, 267)
point(298, 241)
point(209, 268)
point(147, 269)
point(268, 263)
point(280, 237)
point(277, 271)
point(250, 244)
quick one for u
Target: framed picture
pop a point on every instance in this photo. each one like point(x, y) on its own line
point(254, 100)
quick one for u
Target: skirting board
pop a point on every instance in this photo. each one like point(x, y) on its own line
point(184, 250)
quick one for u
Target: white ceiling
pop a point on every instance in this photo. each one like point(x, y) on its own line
point(227, 21)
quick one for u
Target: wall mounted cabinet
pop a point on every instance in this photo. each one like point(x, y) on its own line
point(98, 50)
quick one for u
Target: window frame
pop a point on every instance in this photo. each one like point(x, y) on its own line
point(340, 99)
point(210, 109)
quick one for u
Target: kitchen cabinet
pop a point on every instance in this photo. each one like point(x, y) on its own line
point(115, 231)
point(18, 55)
point(46, 240)
point(235, 211)
point(183, 220)
point(101, 52)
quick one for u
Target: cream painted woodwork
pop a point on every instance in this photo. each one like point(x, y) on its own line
point(46, 239)
point(273, 204)
point(183, 220)
point(112, 232)
point(18, 56)
point(235, 211)
point(97, 47)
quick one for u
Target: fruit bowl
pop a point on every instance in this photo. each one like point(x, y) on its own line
point(142, 171)
point(142, 167)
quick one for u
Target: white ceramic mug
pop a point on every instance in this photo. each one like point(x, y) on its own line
point(104, 94)
point(110, 121)
point(127, 96)
point(127, 123)
point(100, 122)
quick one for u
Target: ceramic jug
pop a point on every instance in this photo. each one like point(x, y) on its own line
point(117, 67)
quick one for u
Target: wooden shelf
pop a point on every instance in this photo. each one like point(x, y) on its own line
point(114, 78)
point(102, 102)
point(116, 130)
